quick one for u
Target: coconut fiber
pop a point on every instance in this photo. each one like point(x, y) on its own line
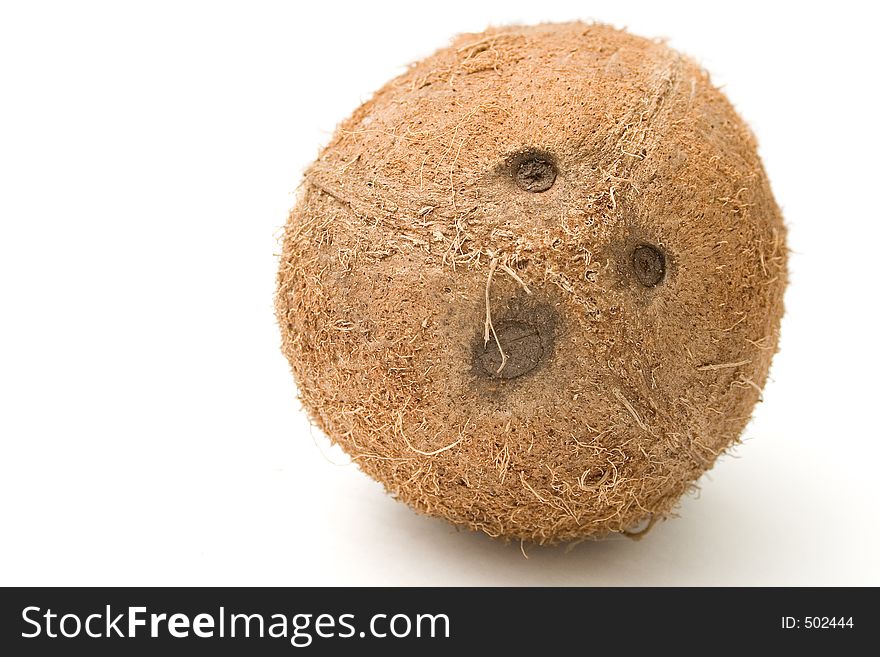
point(533, 286)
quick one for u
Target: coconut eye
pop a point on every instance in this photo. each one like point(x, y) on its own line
point(534, 172)
point(649, 265)
point(522, 347)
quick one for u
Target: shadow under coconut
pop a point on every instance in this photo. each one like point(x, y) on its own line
point(677, 551)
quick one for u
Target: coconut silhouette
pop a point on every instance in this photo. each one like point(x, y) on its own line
point(533, 286)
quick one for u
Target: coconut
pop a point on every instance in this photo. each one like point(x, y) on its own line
point(533, 286)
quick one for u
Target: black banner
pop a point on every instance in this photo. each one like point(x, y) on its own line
point(186, 621)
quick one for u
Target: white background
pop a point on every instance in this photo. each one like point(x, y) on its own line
point(150, 433)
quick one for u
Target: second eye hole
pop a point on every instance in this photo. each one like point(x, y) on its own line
point(534, 171)
point(649, 265)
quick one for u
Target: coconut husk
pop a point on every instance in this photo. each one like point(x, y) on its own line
point(534, 285)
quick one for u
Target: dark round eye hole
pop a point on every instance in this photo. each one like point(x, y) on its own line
point(649, 265)
point(522, 350)
point(534, 172)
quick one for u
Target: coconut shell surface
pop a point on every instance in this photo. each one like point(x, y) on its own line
point(534, 285)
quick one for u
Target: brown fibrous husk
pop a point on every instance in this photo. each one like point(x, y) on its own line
point(474, 332)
